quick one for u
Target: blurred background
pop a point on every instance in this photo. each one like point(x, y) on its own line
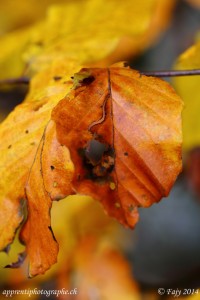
point(164, 249)
point(167, 247)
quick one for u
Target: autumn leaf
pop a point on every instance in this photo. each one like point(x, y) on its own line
point(188, 89)
point(19, 143)
point(49, 179)
point(115, 127)
point(125, 150)
point(98, 36)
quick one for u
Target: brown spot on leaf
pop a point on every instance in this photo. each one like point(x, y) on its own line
point(55, 184)
point(56, 78)
point(39, 43)
point(117, 205)
point(112, 186)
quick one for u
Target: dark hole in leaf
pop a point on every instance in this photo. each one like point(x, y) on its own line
point(88, 80)
point(98, 160)
point(94, 151)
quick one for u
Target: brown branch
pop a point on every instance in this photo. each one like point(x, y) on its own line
point(166, 73)
point(19, 80)
point(171, 73)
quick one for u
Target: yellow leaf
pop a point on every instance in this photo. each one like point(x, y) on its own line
point(86, 32)
point(11, 60)
point(11, 17)
point(188, 89)
point(21, 141)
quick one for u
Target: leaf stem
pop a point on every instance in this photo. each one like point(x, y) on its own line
point(19, 80)
point(171, 73)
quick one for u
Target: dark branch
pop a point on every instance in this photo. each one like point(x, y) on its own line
point(19, 80)
point(167, 73)
point(171, 73)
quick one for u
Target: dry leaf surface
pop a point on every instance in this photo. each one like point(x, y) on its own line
point(123, 131)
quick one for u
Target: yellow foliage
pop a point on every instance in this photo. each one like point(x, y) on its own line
point(26, 12)
point(188, 89)
point(86, 32)
point(19, 147)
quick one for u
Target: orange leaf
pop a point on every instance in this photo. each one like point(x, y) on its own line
point(48, 180)
point(123, 131)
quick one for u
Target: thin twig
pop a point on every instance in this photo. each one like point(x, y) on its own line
point(19, 80)
point(171, 73)
point(166, 73)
